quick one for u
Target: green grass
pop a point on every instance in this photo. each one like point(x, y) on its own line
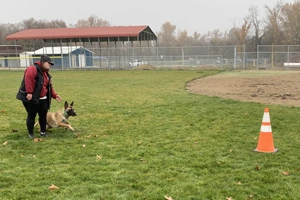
point(155, 139)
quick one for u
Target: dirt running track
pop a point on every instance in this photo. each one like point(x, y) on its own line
point(269, 87)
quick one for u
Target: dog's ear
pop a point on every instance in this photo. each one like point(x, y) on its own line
point(66, 105)
point(72, 103)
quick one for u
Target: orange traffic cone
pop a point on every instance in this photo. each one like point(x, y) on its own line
point(265, 141)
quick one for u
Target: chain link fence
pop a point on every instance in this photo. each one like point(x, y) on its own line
point(202, 57)
point(278, 56)
point(70, 57)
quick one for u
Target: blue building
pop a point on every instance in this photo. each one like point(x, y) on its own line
point(66, 56)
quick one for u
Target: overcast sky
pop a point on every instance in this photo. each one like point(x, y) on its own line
point(191, 15)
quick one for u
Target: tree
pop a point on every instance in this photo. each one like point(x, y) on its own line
point(56, 23)
point(166, 36)
point(92, 21)
point(29, 23)
point(290, 22)
point(242, 32)
point(273, 29)
point(217, 38)
point(231, 37)
point(257, 33)
point(7, 29)
point(183, 39)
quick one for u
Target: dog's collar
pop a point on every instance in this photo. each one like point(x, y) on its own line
point(65, 114)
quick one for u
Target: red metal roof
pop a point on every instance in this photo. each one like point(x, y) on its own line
point(90, 32)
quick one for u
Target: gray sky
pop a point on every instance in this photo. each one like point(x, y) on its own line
point(190, 15)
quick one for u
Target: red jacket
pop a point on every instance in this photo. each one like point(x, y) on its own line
point(30, 75)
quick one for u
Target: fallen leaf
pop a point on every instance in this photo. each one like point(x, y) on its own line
point(168, 198)
point(219, 162)
point(229, 198)
point(88, 136)
point(286, 173)
point(34, 156)
point(83, 146)
point(37, 139)
point(257, 167)
point(230, 150)
point(139, 143)
point(98, 157)
point(3, 111)
point(53, 187)
point(5, 143)
point(239, 183)
point(250, 197)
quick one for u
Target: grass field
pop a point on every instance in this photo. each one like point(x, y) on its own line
point(141, 135)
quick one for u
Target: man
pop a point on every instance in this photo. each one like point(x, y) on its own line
point(36, 92)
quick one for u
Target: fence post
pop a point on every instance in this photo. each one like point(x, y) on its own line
point(272, 57)
point(257, 57)
point(182, 57)
point(244, 57)
point(234, 58)
point(61, 54)
point(288, 56)
point(156, 54)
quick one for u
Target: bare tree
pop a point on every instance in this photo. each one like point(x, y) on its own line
point(242, 32)
point(290, 22)
point(217, 38)
point(183, 39)
point(29, 23)
point(273, 29)
point(256, 23)
point(7, 29)
point(196, 39)
point(231, 37)
point(166, 36)
point(56, 24)
point(92, 21)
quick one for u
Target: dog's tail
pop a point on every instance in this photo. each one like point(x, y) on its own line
point(36, 124)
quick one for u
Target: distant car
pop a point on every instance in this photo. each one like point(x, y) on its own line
point(137, 63)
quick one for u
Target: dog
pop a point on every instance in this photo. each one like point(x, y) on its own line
point(60, 118)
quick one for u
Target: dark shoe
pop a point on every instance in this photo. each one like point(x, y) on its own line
point(31, 135)
point(43, 134)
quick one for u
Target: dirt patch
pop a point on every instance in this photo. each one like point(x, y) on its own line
point(263, 87)
point(145, 67)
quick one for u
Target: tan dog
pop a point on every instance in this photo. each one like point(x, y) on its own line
point(60, 118)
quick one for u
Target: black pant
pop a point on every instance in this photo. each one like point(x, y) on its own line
point(32, 110)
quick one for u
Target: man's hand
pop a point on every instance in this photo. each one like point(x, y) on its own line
point(58, 98)
point(29, 96)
